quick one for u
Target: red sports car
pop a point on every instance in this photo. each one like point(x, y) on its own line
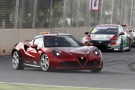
point(56, 51)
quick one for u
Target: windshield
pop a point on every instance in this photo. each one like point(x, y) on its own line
point(104, 30)
point(60, 41)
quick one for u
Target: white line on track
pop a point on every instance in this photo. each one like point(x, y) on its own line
point(60, 86)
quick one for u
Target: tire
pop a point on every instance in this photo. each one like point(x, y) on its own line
point(96, 70)
point(129, 46)
point(16, 61)
point(44, 63)
point(121, 46)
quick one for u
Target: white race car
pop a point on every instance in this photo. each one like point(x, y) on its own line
point(132, 35)
point(108, 37)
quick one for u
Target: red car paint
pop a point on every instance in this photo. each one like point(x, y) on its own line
point(70, 57)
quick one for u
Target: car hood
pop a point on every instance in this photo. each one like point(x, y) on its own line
point(101, 36)
point(71, 50)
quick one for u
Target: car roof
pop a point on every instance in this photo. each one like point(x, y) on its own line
point(52, 34)
point(110, 25)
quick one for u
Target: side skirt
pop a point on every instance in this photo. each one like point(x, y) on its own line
point(31, 65)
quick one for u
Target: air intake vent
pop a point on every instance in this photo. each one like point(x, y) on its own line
point(82, 60)
point(92, 63)
point(70, 64)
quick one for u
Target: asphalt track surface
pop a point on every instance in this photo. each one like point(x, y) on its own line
point(115, 74)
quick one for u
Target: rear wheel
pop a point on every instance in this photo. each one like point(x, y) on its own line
point(129, 45)
point(44, 62)
point(16, 62)
point(121, 45)
point(96, 70)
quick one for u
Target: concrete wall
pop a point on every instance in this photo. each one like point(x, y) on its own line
point(9, 37)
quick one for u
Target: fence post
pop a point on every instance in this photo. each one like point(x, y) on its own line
point(132, 5)
point(77, 20)
point(50, 21)
point(64, 13)
point(121, 19)
point(16, 14)
point(88, 14)
point(34, 14)
point(102, 4)
point(112, 11)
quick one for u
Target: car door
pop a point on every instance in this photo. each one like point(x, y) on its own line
point(34, 54)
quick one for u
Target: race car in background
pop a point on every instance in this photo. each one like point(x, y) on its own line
point(56, 51)
point(108, 37)
point(132, 35)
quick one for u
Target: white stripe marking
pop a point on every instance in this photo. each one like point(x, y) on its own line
point(59, 86)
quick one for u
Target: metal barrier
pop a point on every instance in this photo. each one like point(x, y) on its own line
point(64, 13)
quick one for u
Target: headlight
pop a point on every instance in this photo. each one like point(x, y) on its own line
point(96, 51)
point(55, 52)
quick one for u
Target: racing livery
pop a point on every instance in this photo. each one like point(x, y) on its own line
point(56, 51)
point(109, 37)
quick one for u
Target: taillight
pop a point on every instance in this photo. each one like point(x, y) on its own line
point(115, 37)
point(113, 43)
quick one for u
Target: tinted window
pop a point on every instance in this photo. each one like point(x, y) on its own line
point(104, 30)
point(60, 41)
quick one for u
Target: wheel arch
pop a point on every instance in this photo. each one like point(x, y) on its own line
point(17, 51)
point(13, 51)
point(42, 54)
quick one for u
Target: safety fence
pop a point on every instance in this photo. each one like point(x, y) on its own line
point(64, 13)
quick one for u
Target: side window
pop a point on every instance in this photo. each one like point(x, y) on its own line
point(93, 30)
point(39, 42)
point(121, 29)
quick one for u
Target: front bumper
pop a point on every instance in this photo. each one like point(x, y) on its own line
point(77, 63)
point(106, 45)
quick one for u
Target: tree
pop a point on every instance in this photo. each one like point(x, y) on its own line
point(57, 10)
point(6, 11)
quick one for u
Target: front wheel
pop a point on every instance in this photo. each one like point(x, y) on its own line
point(44, 62)
point(16, 62)
point(96, 70)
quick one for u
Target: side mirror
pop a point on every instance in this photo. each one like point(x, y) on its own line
point(34, 46)
point(86, 33)
point(122, 33)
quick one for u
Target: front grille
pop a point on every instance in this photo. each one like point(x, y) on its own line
point(70, 64)
point(101, 47)
point(82, 60)
point(92, 63)
point(100, 42)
